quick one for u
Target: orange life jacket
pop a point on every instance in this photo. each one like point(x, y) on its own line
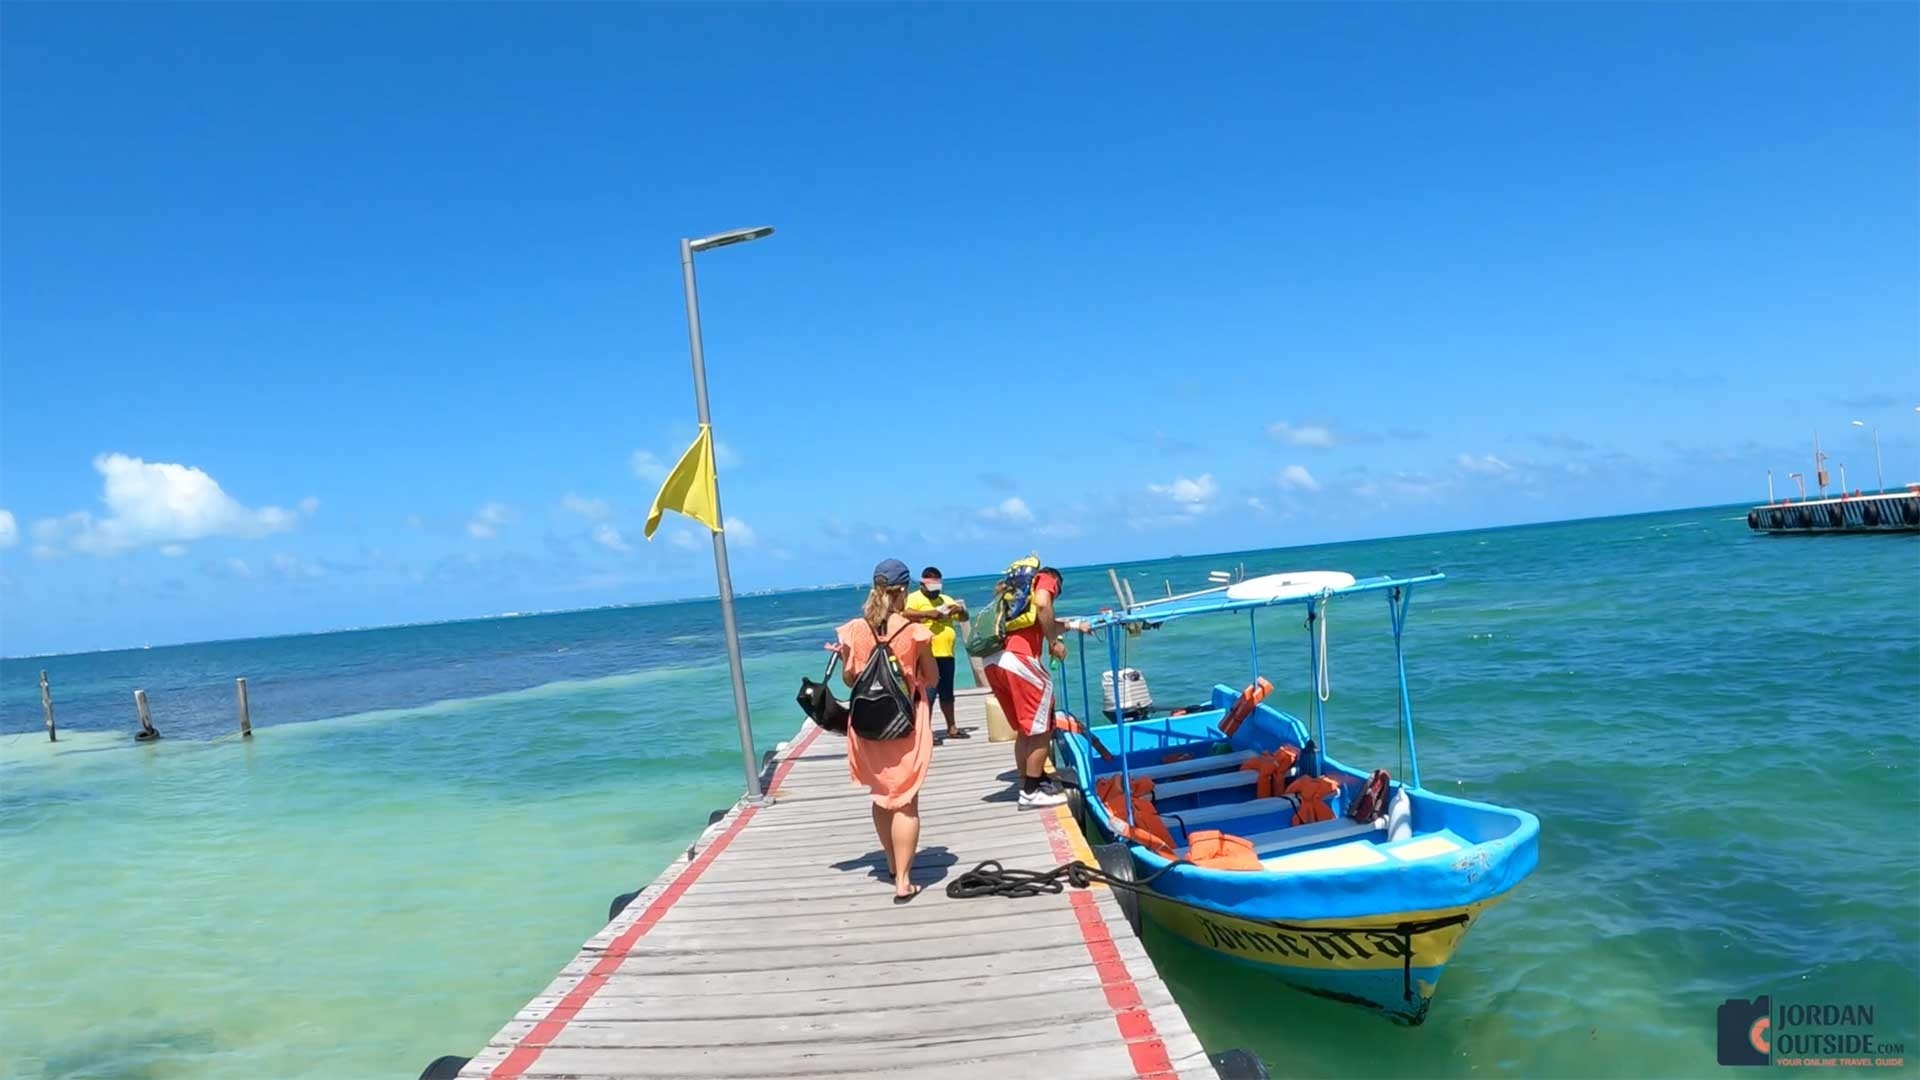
point(1243, 706)
point(1147, 830)
point(1313, 793)
point(1272, 769)
point(1216, 850)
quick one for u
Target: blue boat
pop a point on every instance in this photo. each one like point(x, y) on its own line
point(1268, 851)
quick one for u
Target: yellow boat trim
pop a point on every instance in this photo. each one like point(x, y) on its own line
point(1367, 943)
point(1076, 840)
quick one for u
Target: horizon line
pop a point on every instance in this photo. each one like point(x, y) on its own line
point(792, 589)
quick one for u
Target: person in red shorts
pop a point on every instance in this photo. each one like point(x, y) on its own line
point(1022, 685)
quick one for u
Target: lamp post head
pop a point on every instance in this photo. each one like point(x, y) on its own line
point(737, 236)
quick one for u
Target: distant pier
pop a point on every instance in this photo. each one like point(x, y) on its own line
point(1877, 512)
point(773, 950)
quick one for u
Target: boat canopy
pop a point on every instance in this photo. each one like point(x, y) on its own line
point(1222, 600)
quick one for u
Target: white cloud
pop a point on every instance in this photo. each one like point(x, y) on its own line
point(238, 567)
point(1402, 486)
point(591, 509)
point(647, 467)
point(9, 529)
point(1012, 508)
point(609, 537)
point(740, 534)
point(486, 524)
point(174, 551)
point(1315, 435)
point(1296, 478)
point(155, 504)
point(309, 506)
point(1485, 464)
point(882, 538)
point(1256, 504)
point(725, 457)
point(1189, 496)
point(1060, 530)
point(294, 568)
point(684, 539)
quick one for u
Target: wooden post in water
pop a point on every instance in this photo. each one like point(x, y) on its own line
point(46, 704)
point(246, 722)
point(147, 733)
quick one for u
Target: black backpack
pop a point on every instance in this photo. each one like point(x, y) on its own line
point(880, 706)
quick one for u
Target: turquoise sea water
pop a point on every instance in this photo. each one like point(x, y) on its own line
point(1719, 733)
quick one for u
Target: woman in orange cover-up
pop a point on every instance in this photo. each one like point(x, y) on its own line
point(892, 769)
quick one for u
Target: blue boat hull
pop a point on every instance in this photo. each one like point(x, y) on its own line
point(1377, 930)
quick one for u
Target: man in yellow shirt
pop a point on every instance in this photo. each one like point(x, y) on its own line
point(939, 612)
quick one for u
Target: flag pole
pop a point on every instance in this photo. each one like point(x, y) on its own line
point(727, 622)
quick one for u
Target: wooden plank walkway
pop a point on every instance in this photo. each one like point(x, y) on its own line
point(775, 950)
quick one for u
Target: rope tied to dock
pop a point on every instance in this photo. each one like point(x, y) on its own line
point(992, 878)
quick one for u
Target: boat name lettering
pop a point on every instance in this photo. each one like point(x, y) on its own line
point(1326, 944)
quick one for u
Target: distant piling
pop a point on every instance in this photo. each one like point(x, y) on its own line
point(147, 732)
point(246, 721)
point(46, 705)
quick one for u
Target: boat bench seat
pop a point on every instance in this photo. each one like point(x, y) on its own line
point(1207, 815)
point(1274, 841)
point(1216, 782)
point(1200, 764)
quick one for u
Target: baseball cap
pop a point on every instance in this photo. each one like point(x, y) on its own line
point(893, 572)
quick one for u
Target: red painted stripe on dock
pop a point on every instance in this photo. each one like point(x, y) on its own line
point(527, 1050)
point(1144, 1046)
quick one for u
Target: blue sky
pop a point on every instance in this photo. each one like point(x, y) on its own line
point(326, 315)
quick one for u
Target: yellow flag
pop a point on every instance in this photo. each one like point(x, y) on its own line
point(691, 488)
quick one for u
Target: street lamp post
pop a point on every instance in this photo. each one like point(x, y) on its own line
point(1879, 478)
point(689, 248)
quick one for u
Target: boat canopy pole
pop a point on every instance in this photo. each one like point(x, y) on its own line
point(1086, 692)
point(1057, 671)
point(1253, 640)
point(1314, 643)
point(1120, 718)
point(1397, 601)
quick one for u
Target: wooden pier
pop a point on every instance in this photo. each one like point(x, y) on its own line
point(1879, 512)
point(775, 950)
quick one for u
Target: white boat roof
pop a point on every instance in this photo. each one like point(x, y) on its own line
point(1269, 590)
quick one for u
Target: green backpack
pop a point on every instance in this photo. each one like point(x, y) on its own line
point(1011, 603)
point(987, 631)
